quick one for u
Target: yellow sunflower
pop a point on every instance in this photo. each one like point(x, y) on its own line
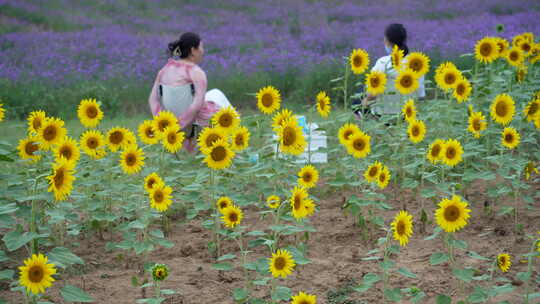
point(132, 159)
point(160, 272)
point(35, 121)
point(36, 274)
point(119, 138)
point(291, 138)
point(226, 119)
point(452, 214)
point(232, 216)
point(537, 122)
point(61, 180)
point(51, 133)
point(435, 151)
point(268, 100)
point(309, 205)
point(298, 199)
point(532, 109)
point(402, 226)
point(397, 57)
point(521, 73)
point(409, 110)
point(463, 89)
point(147, 133)
point(163, 120)
point(359, 145)
point(529, 170)
point(172, 138)
point(93, 144)
point(502, 46)
point(477, 124)
point(209, 136)
point(2, 112)
point(486, 50)
point(89, 113)
point(323, 104)
point(28, 147)
point(406, 82)
point(416, 131)
point(515, 57)
point(151, 180)
point(273, 201)
point(68, 149)
point(359, 60)
point(384, 177)
point(281, 263)
point(308, 177)
point(418, 63)
point(240, 139)
point(375, 83)
point(304, 298)
point(504, 262)
point(219, 156)
point(224, 202)
point(346, 132)
point(502, 109)
point(526, 47)
point(510, 138)
point(447, 76)
point(372, 172)
point(280, 117)
point(451, 153)
point(160, 197)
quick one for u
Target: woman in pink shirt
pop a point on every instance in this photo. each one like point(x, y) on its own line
point(182, 69)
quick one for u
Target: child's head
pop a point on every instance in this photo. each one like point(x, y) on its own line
point(395, 34)
point(188, 46)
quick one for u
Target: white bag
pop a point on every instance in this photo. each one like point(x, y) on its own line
point(176, 99)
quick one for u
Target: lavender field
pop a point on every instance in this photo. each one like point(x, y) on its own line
point(56, 52)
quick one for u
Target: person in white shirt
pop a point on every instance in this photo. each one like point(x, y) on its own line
point(391, 103)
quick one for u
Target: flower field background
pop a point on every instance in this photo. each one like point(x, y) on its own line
point(99, 201)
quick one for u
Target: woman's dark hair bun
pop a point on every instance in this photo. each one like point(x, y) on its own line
point(182, 47)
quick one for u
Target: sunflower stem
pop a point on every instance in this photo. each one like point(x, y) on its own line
point(529, 270)
point(216, 214)
point(385, 258)
point(345, 85)
point(33, 221)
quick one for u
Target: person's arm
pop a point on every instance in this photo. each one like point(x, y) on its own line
point(153, 100)
point(421, 89)
point(198, 77)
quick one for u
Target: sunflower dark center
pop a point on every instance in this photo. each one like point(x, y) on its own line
point(30, 148)
point(91, 112)
point(435, 150)
point(267, 100)
point(476, 124)
point(211, 139)
point(450, 152)
point(406, 81)
point(92, 143)
point(416, 65)
point(400, 228)
point(289, 136)
point(158, 196)
point(149, 132)
point(225, 120)
point(415, 131)
point(382, 177)
point(36, 123)
point(151, 183)
point(449, 78)
point(533, 109)
point(233, 217)
point(36, 274)
point(239, 140)
point(460, 89)
point(451, 213)
point(374, 82)
point(509, 137)
point(485, 49)
point(49, 133)
point(171, 137)
point(359, 144)
point(279, 263)
point(357, 61)
point(59, 178)
point(501, 109)
point(223, 204)
point(297, 202)
point(131, 159)
point(348, 134)
point(409, 111)
point(66, 152)
point(116, 137)
point(514, 56)
point(373, 171)
point(218, 153)
point(525, 47)
point(307, 177)
point(163, 124)
point(501, 47)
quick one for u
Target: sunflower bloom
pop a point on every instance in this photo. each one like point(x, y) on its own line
point(160, 272)
point(51, 133)
point(323, 104)
point(308, 177)
point(2, 112)
point(298, 199)
point(452, 151)
point(402, 227)
point(435, 151)
point(502, 109)
point(35, 121)
point(151, 180)
point(418, 63)
point(397, 57)
point(273, 201)
point(409, 110)
point(280, 117)
point(163, 120)
point(61, 180)
point(309, 205)
point(28, 147)
point(346, 132)
point(68, 149)
point(463, 90)
point(240, 139)
point(160, 197)
point(36, 274)
point(268, 100)
point(384, 177)
point(529, 170)
point(304, 298)
point(232, 216)
point(219, 156)
point(452, 214)
point(359, 61)
point(447, 76)
point(119, 138)
point(226, 119)
point(89, 113)
point(502, 46)
point(515, 57)
point(504, 262)
point(375, 82)
point(416, 131)
point(406, 82)
point(291, 138)
point(281, 263)
point(372, 172)
point(209, 136)
point(132, 159)
point(359, 145)
point(532, 109)
point(477, 124)
point(93, 144)
point(147, 133)
point(223, 203)
point(486, 50)
point(510, 138)
point(172, 138)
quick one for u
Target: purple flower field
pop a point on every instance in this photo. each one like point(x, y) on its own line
point(104, 39)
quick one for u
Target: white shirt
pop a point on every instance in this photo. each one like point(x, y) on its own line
point(392, 102)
